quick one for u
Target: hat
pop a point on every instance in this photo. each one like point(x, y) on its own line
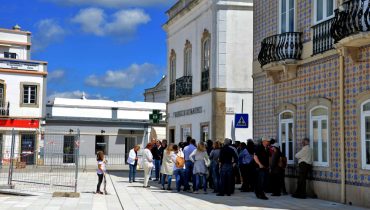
point(276, 145)
point(265, 138)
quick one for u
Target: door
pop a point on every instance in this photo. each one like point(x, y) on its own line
point(101, 144)
point(286, 13)
point(68, 149)
point(172, 136)
point(130, 142)
point(28, 148)
point(287, 139)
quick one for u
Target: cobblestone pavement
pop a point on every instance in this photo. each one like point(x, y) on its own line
point(122, 194)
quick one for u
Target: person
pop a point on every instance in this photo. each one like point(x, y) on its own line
point(178, 167)
point(304, 157)
point(227, 159)
point(276, 170)
point(157, 158)
point(161, 151)
point(101, 170)
point(215, 169)
point(189, 165)
point(245, 158)
point(147, 163)
point(209, 147)
point(251, 170)
point(200, 170)
point(261, 157)
point(167, 167)
point(132, 162)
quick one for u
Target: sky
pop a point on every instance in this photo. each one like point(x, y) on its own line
point(109, 49)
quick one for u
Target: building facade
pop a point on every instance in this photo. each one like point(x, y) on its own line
point(311, 79)
point(209, 47)
point(108, 126)
point(22, 94)
point(157, 93)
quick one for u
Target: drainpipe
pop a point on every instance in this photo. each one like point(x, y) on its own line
point(341, 126)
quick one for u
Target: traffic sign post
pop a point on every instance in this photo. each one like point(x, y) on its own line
point(156, 116)
point(241, 120)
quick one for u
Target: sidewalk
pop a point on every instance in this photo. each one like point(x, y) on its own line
point(134, 196)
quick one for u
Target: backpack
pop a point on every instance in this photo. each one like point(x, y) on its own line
point(180, 162)
point(282, 162)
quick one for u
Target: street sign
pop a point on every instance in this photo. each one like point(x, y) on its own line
point(241, 120)
point(156, 116)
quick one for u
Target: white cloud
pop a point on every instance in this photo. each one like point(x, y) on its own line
point(48, 31)
point(123, 23)
point(56, 75)
point(114, 3)
point(125, 78)
point(74, 94)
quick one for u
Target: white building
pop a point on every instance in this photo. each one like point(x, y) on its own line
point(109, 126)
point(210, 53)
point(157, 93)
point(22, 94)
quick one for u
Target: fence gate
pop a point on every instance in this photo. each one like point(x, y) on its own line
point(54, 168)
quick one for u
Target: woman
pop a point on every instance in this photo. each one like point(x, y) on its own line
point(245, 158)
point(276, 170)
point(147, 163)
point(132, 162)
point(200, 169)
point(100, 171)
point(215, 168)
point(167, 166)
point(178, 168)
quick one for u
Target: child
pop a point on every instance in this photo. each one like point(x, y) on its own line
point(101, 170)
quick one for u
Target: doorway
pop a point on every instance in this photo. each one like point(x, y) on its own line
point(28, 148)
point(130, 142)
point(101, 144)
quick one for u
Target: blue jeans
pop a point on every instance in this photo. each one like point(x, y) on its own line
point(179, 175)
point(169, 177)
point(261, 181)
point(157, 166)
point(204, 181)
point(215, 170)
point(132, 173)
point(226, 179)
point(189, 165)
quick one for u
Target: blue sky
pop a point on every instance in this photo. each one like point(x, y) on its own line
point(110, 49)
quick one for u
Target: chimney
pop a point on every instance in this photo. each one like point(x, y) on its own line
point(16, 27)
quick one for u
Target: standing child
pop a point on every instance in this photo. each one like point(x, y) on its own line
point(101, 170)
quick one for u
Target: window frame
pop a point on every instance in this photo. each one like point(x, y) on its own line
point(187, 58)
point(172, 67)
point(364, 114)
point(36, 104)
point(287, 17)
point(325, 17)
point(320, 119)
point(287, 121)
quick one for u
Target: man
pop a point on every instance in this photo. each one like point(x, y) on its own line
point(161, 150)
point(189, 165)
point(261, 157)
point(157, 158)
point(228, 158)
point(304, 157)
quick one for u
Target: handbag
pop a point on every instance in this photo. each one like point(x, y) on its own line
point(207, 161)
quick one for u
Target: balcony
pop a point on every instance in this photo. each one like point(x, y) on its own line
point(351, 26)
point(322, 40)
point(4, 110)
point(205, 80)
point(172, 91)
point(280, 53)
point(184, 86)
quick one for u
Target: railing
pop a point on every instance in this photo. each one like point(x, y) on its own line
point(205, 80)
point(184, 86)
point(172, 91)
point(352, 17)
point(322, 40)
point(281, 47)
point(4, 111)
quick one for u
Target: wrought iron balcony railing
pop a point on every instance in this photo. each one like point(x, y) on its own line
point(205, 80)
point(352, 17)
point(184, 86)
point(4, 110)
point(285, 46)
point(322, 40)
point(172, 91)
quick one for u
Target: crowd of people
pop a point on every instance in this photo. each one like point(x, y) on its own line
point(259, 168)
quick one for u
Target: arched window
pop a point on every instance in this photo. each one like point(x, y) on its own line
point(365, 134)
point(187, 59)
point(286, 134)
point(172, 67)
point(319, 135)
point(206, 60)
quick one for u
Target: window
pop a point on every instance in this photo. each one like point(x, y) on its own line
point(29, 94)
point(2, 95)
point(101, 144)
point(10, 55)
point(172, 135)
point(187, 59)
point(172, 67)
point(206, 55)
point(286, 135)
point(365, 134)
point(185, 132)
point(319, 135)
point(68, 149)
point(324, 9)
point(206, 60)
point(286, 16)
point(204, 132)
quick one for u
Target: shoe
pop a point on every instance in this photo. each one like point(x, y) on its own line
point(275, 194)
point(150, 178)
point(163, 188)
point(195, 192)
point(168, 188)
point(263, 197)
point(134, 181)
point(99, 192)
point(219, 194)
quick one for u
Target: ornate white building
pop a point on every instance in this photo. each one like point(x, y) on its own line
point(210, 48)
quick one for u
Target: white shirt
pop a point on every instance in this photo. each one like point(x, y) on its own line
point(131, 157)
point(147, 156)
point(304, 155)
point(102, 166)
